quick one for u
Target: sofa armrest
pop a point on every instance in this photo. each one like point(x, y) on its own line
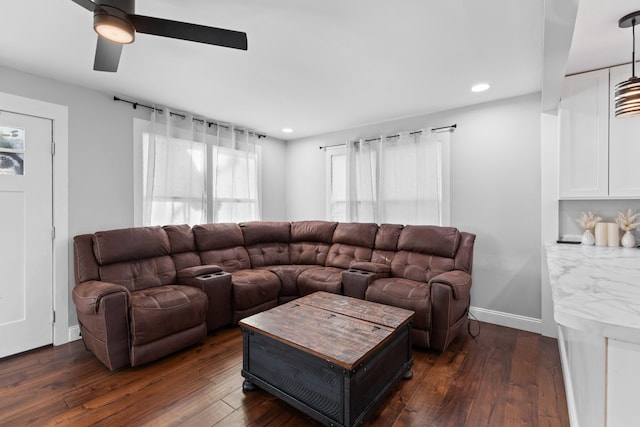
point(87, 296)
point(373, 267)
point(458, 280)
point(103, 315)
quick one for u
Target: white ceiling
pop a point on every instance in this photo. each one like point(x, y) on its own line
point(316, 66)
point(598, 41)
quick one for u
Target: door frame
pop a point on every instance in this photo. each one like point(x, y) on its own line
point(59, 114)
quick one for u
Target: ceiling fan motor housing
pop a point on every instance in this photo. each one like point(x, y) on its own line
point(126, 6)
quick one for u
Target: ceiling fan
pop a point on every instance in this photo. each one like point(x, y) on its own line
point(116, 24)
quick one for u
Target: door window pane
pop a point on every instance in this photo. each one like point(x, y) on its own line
point(11, 151)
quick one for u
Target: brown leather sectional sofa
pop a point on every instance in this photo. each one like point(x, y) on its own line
point(143, 293)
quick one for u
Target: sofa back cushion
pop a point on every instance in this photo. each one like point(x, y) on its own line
point(136, 258)
point(217, 236)
point(310, 242)
point(255, 232)
point(425, 251)
point(386, 243)
point(130, 243)
point(430, 240)
point(183, 246)
point(222, 244)
point(352, 242)
point(267, 242)
point(313, 231)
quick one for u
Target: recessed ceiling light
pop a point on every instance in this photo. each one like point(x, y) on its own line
point(287, 130)
point(480, 87)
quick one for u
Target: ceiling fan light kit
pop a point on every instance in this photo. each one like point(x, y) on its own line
point(113, 27)
point(627, 93)
point(116, 25)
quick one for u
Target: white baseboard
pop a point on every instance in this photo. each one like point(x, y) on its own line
point(74, 333)
point(509, 320)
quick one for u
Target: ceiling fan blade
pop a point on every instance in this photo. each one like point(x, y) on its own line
point(107, 55)
point(87, 4)
point(191, 32)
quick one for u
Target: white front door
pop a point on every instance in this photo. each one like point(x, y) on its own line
point(26, 226)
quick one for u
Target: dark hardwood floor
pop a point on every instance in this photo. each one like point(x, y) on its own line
point(505, 377)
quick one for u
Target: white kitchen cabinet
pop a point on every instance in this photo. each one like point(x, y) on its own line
point(599, 153)
point(624, 144)
point(584, 136)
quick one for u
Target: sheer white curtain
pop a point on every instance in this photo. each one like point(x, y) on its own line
point(195, 171)
point(397, 179)
point(235, 171)
point(363, 169)
point(336, 184)
point(174, 170)
point(411, 184)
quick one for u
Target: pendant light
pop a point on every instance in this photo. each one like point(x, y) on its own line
point(627, 93)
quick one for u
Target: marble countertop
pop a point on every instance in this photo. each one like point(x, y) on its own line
point(596, 289)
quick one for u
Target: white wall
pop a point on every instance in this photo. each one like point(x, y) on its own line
point(273, 180)
point(495, 179)
point(495, 193)
point(100, 157)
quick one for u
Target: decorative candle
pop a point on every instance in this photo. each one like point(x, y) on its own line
point(613, 234)
point(601, 234)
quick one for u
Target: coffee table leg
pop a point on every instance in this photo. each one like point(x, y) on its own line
point(408, 375)
point(248, 386)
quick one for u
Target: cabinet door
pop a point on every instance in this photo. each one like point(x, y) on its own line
point(584, 118)
point(624, 145)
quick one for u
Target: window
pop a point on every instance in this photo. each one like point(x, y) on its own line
point(235, 185)
point(193, 179)
point(401, 179)
point(336, 173)
point(174, 181)
point(11, 151)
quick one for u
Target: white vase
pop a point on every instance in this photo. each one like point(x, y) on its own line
point(629, 240)
point(588, 238)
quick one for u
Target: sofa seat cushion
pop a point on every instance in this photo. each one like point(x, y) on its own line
point(404, 293)
point(328, 279)
point(288, 275)
point(251, 288)
point(164, 310)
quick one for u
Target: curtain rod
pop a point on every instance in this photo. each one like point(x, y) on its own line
point(433, 130)
point(135, 105)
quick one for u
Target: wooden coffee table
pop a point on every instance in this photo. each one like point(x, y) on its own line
point(332, 357)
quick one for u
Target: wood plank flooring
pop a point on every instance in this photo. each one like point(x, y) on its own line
point(505, 377)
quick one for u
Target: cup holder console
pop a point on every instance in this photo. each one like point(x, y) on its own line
point(364, 273)
point(212, 275)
